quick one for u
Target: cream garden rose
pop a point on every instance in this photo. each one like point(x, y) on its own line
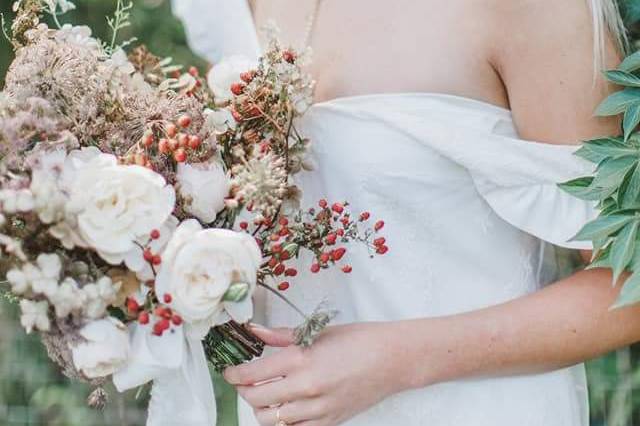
point(114, 204)
point(105, 349)
point(199, 266)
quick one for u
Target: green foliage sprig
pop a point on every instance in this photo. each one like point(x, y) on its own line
point(615, 185)
point(121, 19)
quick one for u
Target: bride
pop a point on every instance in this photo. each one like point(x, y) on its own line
point(427, 112)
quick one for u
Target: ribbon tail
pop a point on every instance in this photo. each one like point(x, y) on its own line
point(185, 396)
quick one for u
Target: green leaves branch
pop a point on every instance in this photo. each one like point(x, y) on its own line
point(615, 185)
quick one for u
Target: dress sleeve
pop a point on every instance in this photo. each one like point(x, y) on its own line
point(517, 178)
point(218, 28)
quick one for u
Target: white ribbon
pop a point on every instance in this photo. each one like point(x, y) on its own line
point(182, 392)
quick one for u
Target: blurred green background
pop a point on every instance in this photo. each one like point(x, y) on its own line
point(32, 392)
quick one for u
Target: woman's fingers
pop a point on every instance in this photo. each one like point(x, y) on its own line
point(267, 368)
point(276, 337)
point(304, 410)
point(268, 394)
point(291, 388)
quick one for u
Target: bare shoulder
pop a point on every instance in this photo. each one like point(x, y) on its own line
point(543, 51)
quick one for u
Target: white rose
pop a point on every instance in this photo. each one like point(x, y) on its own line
point(114, 204)
point(198, 267)
point(225, 73)
point(105, 350)
point(204, 187)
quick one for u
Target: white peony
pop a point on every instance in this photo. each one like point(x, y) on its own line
point(34, 315)
point(204, 187)
point(105, 350)
point(225, 73)
point(198, 267)
point(114, 204)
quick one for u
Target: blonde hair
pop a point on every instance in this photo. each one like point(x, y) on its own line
point(607, 22)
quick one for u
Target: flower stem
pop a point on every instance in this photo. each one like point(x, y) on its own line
point(287, 301)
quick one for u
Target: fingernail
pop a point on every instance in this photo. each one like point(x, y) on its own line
point(255, 326)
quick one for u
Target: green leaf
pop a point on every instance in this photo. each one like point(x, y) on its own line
point(618, 102)
point(630, 293)
point(602, 260)
point(623, 248)
point(582, 188)
point(611, 172)
point(602, 227)
point(622, 78)
point(597, 150)
point(237, 292)
point(630, 63)
point(631, 120)
point(631, 194)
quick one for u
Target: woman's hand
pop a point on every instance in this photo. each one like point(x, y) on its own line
point(347, 370)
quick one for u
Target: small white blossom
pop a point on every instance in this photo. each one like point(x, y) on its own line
point(204, 187)
point(50, 265)
point(120, 62)
point(18, 280)
point(64, 6)
point(219, 121)
point(67, 298)
point(16, 201)
point(48, 197)
point(34, 315)
point(99, 296)
point(79, 35)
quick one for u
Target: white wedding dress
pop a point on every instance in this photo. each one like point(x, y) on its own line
point(473, 218)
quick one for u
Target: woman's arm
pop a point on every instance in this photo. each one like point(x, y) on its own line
point(563, 324)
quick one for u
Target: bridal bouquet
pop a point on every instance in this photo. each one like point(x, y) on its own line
point(140, 210)
point(615, 186)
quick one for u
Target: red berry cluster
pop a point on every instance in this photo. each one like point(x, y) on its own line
point(153, 259)
point(321, 231)
point(193, 71)
point(281, 250)
point(175, 140)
